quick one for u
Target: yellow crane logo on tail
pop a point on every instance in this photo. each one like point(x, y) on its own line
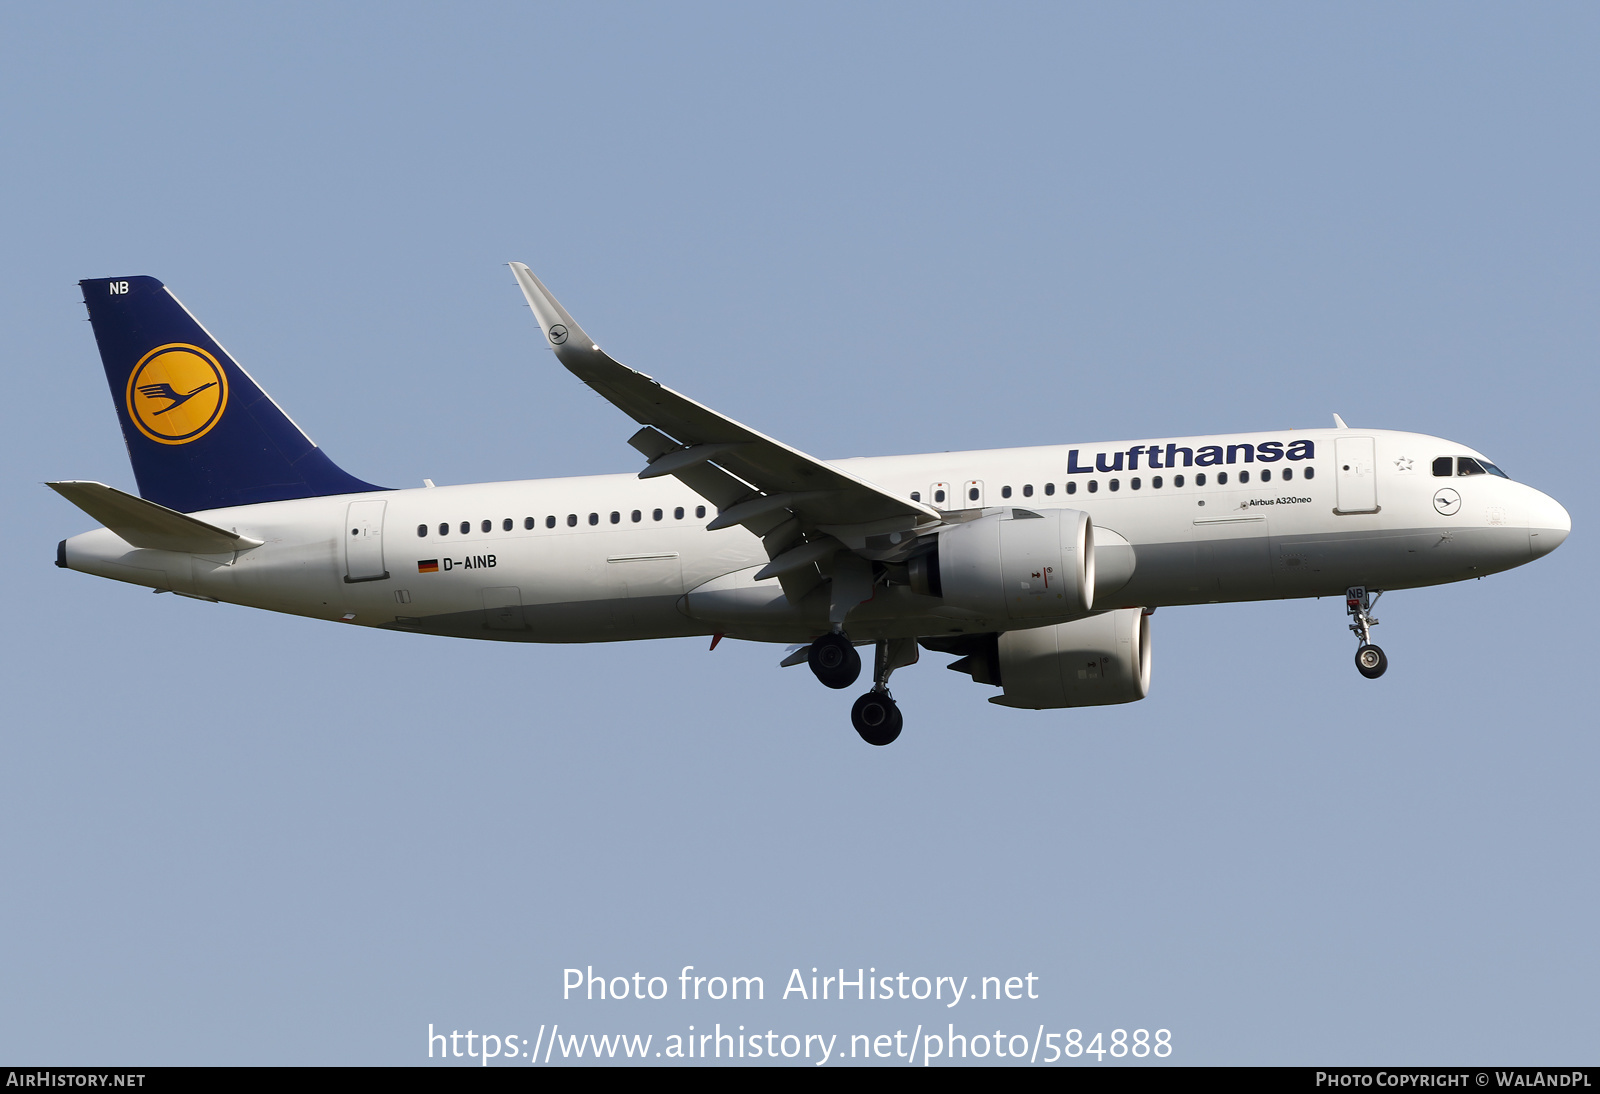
point(176, 393)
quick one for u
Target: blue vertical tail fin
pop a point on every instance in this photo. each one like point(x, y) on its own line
point(200, 433)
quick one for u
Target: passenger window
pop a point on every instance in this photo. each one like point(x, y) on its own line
point(655, 514)
point(938, 496)
point(972, 495)
point(637, 516)
point(616, 517)
point(1027, 490)
point(916, 495)
point(1005, 492)
point(594, 518)
point(1200, 479)
point(1050, 489)
point(572, 520)
point(422, 531)
point(1244, 476)
point(1288, 473)
point(549, 522)
point(466, 526)
point(507, 524)
point(1466, 465)
point(1115, 485)
point(1177, 482)
point(1094, 486)
point(1222, 478)
point(699, 510)
point(1444, 467)
point(1155, 482)
point(444, 529)
point(1072, 488)
point(677, 514)
point(1266, 475)
point(1134, 483)
point(1311, 472)
point(487, 525)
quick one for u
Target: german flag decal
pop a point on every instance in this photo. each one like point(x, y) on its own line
point(428, 566)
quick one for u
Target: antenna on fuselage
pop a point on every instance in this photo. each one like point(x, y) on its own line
point(1338, 422)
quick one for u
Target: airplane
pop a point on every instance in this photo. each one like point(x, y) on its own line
point(1038, 568)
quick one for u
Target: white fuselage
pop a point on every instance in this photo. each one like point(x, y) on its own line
point(614, 557)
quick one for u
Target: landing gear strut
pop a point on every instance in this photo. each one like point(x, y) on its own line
point(876, 715)
point(1370, 660)
point(834, 661)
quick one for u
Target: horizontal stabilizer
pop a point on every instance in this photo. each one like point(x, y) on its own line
point(145, 524)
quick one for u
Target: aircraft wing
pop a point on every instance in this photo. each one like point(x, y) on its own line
point(756, 480)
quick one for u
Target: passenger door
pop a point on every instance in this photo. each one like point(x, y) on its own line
point(363, 541)
point(1356, 474)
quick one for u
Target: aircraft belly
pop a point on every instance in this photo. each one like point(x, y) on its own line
point(1231, 559)
point(1227, 564)
point(1164, 575)
point(573, 621)
point(1326, 563)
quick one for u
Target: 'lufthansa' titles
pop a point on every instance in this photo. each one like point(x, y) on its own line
point(1158, 456)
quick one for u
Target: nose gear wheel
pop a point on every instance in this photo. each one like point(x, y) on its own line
point(1370, 660)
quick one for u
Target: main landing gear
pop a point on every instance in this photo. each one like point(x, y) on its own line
point(1370, 660)
point(835, 662)
point(876, 715)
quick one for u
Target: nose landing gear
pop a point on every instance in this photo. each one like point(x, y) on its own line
point(1370, 660)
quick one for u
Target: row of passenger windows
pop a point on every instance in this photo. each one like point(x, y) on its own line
point(1157, 482)
point(1446, 466)
point(530, 523)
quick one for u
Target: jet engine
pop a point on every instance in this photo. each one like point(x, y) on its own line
point(1098, 661)
point(1013, 564)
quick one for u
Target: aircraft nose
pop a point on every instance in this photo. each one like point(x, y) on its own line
point(1548, 524)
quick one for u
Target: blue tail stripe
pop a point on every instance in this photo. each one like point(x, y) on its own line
point(197, 439)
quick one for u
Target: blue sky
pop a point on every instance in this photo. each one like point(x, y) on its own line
point(230, 836)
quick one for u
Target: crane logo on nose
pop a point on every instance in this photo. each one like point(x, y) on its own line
point(1447, 502)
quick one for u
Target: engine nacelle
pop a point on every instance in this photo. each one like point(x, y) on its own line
point(1020, 564)
point(1098, 661)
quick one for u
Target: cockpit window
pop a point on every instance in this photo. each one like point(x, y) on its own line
point(1446, 466)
